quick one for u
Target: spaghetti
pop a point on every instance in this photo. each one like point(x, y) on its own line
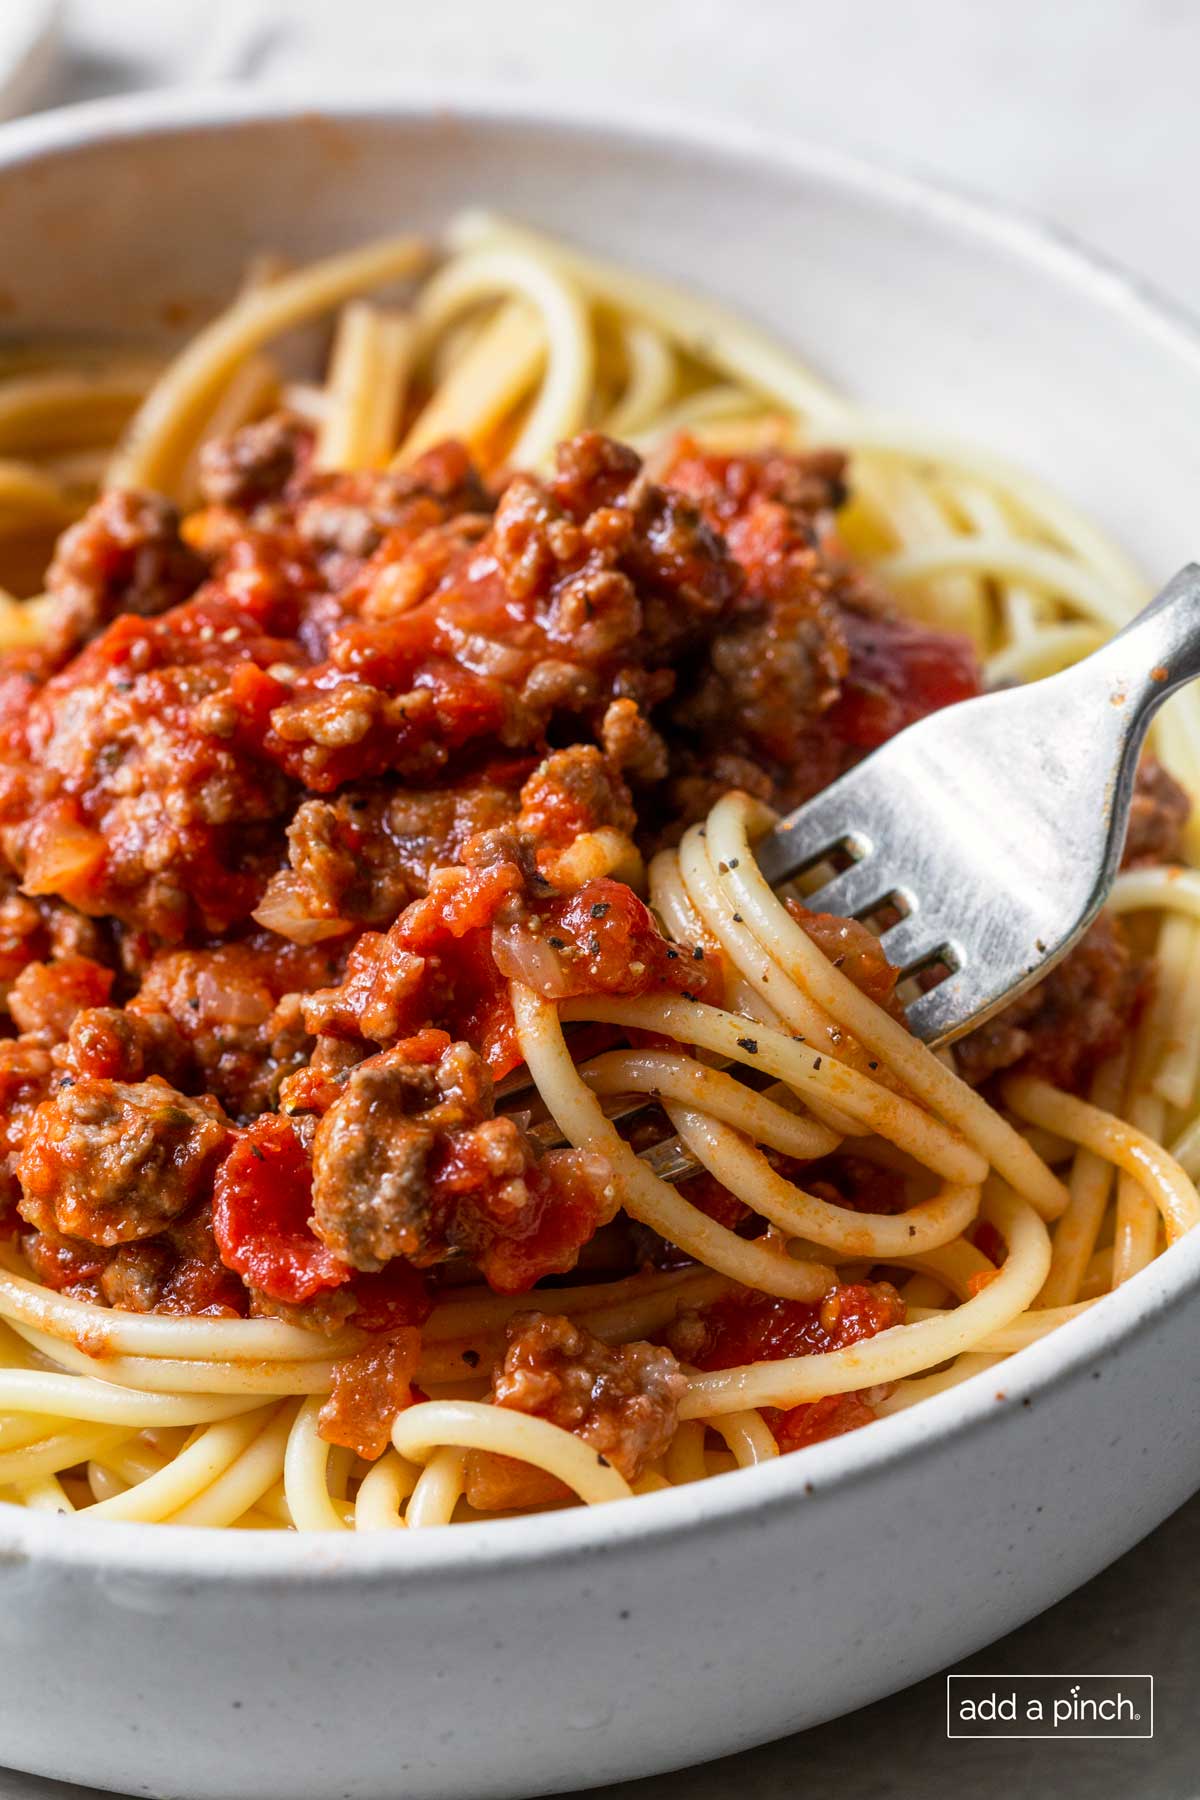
point(422, 749)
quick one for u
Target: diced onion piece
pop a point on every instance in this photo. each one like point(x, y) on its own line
point(227, 1004)
point(282, 909)
point(522, 955)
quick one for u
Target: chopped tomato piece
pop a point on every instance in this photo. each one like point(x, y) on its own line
point(745, 1326)
point(369, 1389)
point(898, 673)
point(261, 1205)
point(395, 1296)
point(567, 1200)
point(820, 1420)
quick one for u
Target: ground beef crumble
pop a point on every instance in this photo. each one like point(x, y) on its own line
point(1063, 1028)
point(410, 1161)
point(112, 1161)
point(1157, 817)
point(623, 1402)
point(125, 555)
point(256, 463)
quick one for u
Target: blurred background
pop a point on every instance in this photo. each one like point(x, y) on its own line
point(1083, 112)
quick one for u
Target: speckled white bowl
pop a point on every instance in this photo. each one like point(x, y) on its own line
point(561, 1651)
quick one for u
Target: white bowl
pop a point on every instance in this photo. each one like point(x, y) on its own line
point(565, 1650)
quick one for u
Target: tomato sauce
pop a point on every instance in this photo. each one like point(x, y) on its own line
point(298, 784)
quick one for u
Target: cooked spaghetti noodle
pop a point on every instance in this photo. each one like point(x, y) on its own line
point(271, 1261)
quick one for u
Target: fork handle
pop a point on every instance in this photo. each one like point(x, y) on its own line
point(1154, 654)
point(1103, 706)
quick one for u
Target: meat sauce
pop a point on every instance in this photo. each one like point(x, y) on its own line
point(298, 783)
point(745, 1327)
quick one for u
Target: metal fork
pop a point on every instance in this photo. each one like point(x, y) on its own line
point(994, 827)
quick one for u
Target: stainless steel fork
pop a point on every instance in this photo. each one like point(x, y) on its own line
point(993, 827)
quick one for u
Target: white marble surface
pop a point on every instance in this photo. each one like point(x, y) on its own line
point(1083, 111)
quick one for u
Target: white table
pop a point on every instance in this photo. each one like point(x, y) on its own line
point(1083, 112)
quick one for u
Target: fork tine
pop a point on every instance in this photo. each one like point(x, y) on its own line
point(670, 1160)
point(858, 889)
point(514, 1086)
point(910, 939)
point(813, 832)
point(939, 1013)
